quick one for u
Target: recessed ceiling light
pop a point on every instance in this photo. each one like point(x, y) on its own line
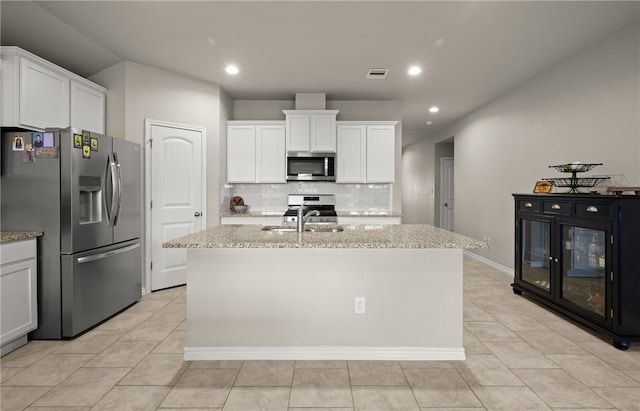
point(415, 70)
point(231, 69)
point(434, 109)
point(428, 122)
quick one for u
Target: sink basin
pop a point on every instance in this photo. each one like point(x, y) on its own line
point(312, 228)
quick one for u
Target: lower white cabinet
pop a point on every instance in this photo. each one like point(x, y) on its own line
point(18, 293)
point(365, 152)
point(256, 152)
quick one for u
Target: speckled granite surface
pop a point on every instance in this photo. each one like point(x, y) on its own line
point(18, 235)
point(353, 236)
point(340, 214)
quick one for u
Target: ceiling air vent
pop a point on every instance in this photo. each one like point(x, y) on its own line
point(377, 74)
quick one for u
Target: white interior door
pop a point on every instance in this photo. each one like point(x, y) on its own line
point(446, 197)
point(176, 176)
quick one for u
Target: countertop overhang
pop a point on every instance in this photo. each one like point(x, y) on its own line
point(7, 236)
point(402, 236)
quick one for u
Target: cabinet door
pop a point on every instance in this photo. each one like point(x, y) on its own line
point(87, 108)
point(584, 269)
point(44, 97)
point(380, 154)
point(270, 154)
point(241, 154)
point(351, 154)
point(323, 133)
point(298, 128)
point(534, 261)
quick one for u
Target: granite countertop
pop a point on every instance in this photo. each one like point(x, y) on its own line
point(354, 236)
point(340, 214)
point(18, 235)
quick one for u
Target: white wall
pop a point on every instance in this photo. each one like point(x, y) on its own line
point(587, 109)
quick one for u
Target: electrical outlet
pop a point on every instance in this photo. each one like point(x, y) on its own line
point(360, 307)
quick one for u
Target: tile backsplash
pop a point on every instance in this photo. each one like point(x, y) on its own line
point(273, 197)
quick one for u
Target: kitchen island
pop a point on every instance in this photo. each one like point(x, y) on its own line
point(269, 294)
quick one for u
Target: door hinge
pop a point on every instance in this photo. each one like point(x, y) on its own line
point(150, 143)
point(151, 268)
point(150, 204)
point(611, 275)
point(612, 313)
point(611, 239)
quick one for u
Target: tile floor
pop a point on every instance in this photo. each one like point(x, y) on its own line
point(520, 356)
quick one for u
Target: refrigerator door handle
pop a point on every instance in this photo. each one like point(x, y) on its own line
point(118, 190)
point(112, 196)
point(107, 254)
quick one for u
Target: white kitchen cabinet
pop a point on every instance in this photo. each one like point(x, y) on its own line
point(256, 152)
point(370, 220)
point(311, 130)
point(365, 152)
point(247, 220)
point(18, 293)
point(87, 107)
point(37, 94)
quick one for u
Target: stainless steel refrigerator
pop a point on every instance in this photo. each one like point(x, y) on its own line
point(83, 190)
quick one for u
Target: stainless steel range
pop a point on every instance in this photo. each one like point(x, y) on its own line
point(324, 204)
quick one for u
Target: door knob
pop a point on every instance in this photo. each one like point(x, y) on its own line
point(446, 204)
point(197, 214)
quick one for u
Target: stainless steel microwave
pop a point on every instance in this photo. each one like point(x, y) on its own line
point(311, 167)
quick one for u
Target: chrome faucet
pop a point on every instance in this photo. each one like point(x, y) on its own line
point(302, 218)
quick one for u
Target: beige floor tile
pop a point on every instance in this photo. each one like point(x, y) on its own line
point(18, 398)
point(123, 354)
point(321, 388)
point(550, 342)
point(171, 312)
point(635, 374)
point(182, 326)
point(6, 373)
point(204, 387)
point(84, 387)
point(258, 399)
point(455, 409)
point(490, 331)
point(471, 312)
point(519, 354)
point(519, 322)
point(486, 370)
point(622, 360)
point(472, 345)
point(426, 364)
point(376, 373)
point(509, 398)
point(157, 369)
point(384, 398)
point(593, 372)
point(49, 371)
point(559, 389)
point(173, 344)
point(57, 408)
point(93, 342)
point(132, 399)
point(320, 409)
point(440, 388)
point(572, 332)
point(125, 321)
point(321, 364)
point(28, 354)
point(151, 331)
point(627, 399)
point(230, 364)
point(265, 374)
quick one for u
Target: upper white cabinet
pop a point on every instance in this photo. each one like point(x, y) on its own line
point(37, 94)
point(256, 152)
point(311, 130)
point(366, 152)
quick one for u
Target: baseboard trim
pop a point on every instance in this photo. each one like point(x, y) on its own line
point(324, 353)
point(488, 262)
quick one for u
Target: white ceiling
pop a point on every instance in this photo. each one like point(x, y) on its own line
point(470, 51)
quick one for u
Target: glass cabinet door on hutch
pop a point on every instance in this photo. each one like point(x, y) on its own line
point(534, 254)
point(584, 280)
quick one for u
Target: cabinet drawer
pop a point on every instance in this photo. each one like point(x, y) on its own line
point(557, 207)
point(593, 210)
point(529, 205)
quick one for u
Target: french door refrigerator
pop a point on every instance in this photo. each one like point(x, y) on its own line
point(83, 190)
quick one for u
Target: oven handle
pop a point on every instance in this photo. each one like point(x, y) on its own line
point(106, 254)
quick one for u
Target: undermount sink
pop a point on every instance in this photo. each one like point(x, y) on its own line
point(313, 228)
